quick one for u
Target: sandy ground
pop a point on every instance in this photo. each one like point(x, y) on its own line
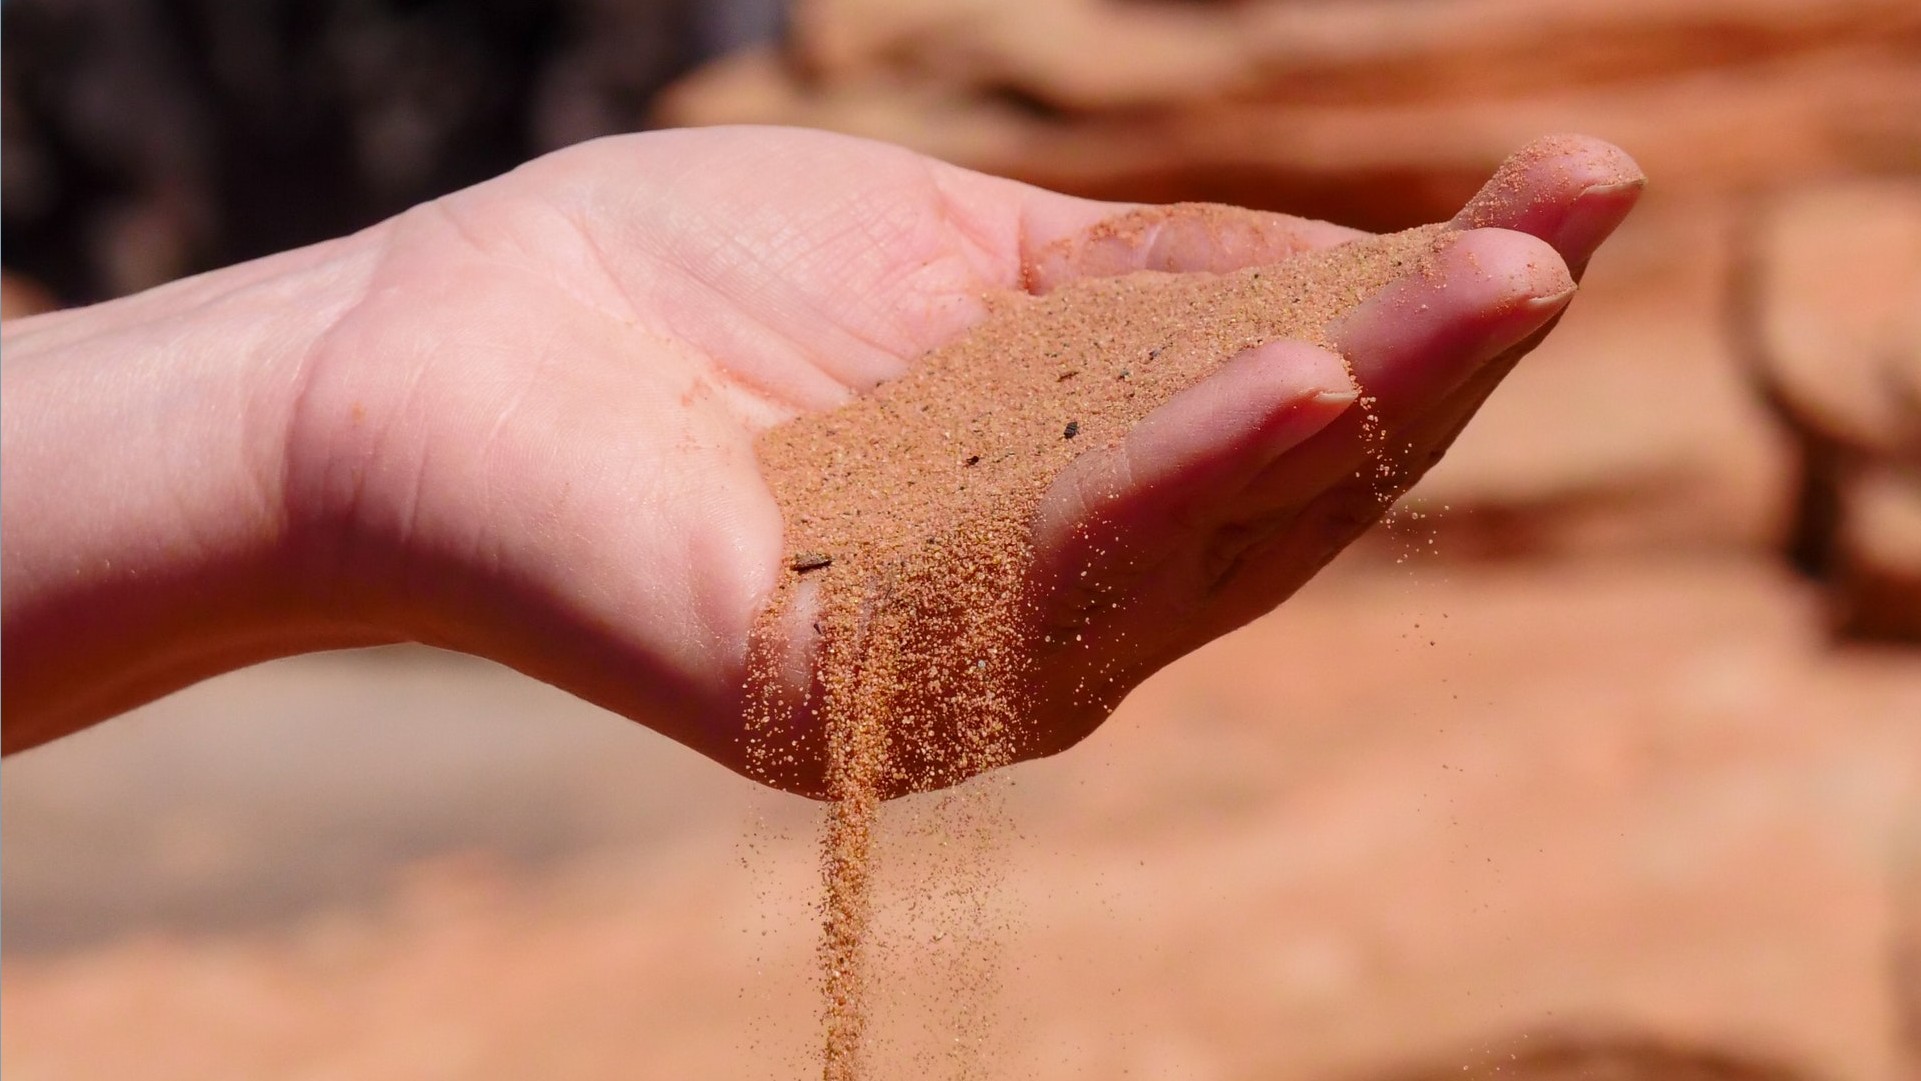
point(1438, 817)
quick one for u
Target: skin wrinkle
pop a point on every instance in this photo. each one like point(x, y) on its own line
point(998, 241)
point(488, 444)
point(443, 211)
point(766, 339)
point(409, 512)
point(583, 231)
point(892, 357)
point(888, 232)
point(264, 422)
point(1222, 558)
point(488, 253)
point(405, 526)
point(1326, 524)
point(914, 299)
point(1061, 254)
point(896, 231)
point(258, 496)
point(684, 256)
point(303, 428)
point(761, 407)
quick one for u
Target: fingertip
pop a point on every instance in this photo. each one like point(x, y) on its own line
point(1504, 265)
point(1595, 214)
point(1284, 371)
point(1257, 404)
point(1507, 285)
point(1569, 190)
point(1485, 291)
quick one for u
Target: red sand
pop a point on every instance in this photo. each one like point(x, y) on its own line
point(911, 508)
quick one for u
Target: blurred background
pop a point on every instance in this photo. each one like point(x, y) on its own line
point(1604, 761)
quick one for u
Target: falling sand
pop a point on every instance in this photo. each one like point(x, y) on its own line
point(907, 515)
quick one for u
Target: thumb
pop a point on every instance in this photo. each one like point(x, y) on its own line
point(1099, 240)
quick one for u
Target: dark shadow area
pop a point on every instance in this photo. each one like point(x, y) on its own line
point(150, 139)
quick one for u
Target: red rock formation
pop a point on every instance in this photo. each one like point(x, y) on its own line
point(1831, 314)
point(1378, 114)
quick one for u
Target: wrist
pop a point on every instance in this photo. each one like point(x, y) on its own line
point(149, 539)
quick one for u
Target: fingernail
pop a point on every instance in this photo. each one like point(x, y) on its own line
point(1595, 213)
point(1518, 322)
point(1537, 305)
point(1305, 419)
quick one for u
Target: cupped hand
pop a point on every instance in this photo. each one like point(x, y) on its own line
point(532, 438)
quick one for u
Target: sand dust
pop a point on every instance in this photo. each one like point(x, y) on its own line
point(910, 507)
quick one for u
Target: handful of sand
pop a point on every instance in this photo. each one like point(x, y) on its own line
point(911, 508)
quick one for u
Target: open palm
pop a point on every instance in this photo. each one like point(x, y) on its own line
point(533, 437)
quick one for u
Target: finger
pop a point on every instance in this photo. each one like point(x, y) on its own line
point(1119, 535)
point(1166, 482)
point(1573, 192)
point(1092, 240)
point(1412, 348)
point(1414, 343)
point(1427, 332)
point(1569, 190)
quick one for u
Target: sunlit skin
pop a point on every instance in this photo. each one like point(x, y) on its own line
point(519, 421)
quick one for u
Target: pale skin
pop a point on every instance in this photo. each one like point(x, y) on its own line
point(519, 422)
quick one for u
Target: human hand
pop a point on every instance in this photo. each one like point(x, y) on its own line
point(530, 433)
point(534, 439)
